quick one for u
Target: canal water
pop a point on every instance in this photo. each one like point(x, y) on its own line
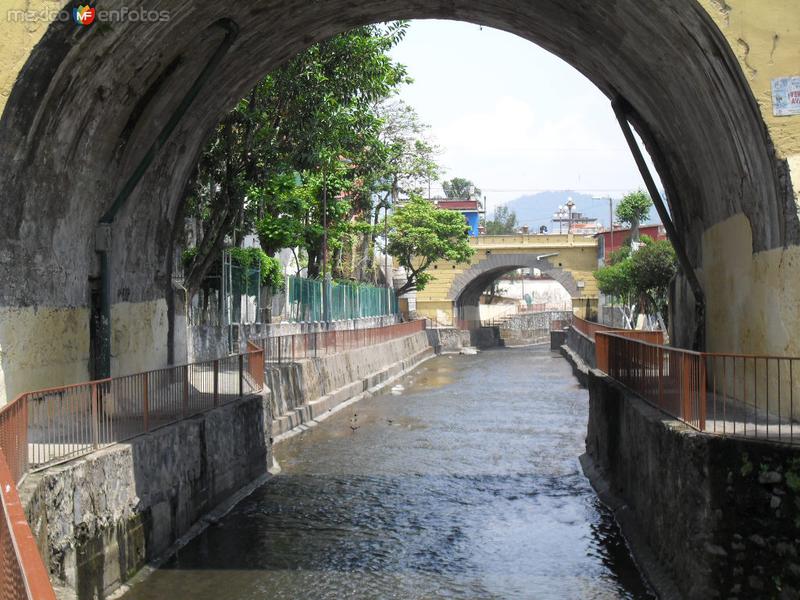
point(464, 484)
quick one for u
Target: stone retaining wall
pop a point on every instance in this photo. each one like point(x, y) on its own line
point(101, 518)
point(309, 388)
point(582, 345)
point(713, 517)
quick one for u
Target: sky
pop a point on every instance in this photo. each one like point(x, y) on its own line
point(510, 116)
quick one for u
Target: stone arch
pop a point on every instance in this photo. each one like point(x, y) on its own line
point(90, 101)
point(468, 286)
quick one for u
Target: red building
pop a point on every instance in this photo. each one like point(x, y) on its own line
point(605, 246)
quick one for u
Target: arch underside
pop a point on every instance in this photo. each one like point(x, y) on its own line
point(468, 287)
point(90, 101)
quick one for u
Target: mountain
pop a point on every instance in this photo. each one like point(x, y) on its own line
point(535, 210)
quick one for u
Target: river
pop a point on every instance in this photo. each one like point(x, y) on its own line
point(464, 484)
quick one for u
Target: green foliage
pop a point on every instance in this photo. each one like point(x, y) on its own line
point(633, 209)
point(459, 188)
point(747, 466)
point(504, 222)
point(615, 280)
point(271, 272)
point(421, 234)
point(642, 276)
point(793, 475)
point(269, 161)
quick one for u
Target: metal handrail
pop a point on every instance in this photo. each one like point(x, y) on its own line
point(293, 347)
point(729, 394)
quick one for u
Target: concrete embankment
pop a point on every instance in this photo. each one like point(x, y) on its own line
point(707, 516)
point(101, 518)
point(531, 328)
point(309, 389)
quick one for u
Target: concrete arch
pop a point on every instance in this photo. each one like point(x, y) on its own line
point(467, 288)
point(469, 285)
point(89, 102)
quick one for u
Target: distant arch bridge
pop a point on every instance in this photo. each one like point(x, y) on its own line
point(456, 290)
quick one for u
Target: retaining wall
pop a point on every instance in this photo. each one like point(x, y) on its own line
point(707, 516)
point(309, 388)
point(582, 345)
point(101, 518)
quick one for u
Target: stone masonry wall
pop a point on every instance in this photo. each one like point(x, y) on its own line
point(303, 390)
point(101, 518)
point(722, 515)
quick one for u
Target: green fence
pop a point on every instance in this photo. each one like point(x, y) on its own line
point(347, 300)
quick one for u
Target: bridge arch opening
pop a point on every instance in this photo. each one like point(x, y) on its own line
point(90, 101)
point(469, 288)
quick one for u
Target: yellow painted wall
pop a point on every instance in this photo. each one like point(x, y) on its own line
point(45, 347)
point(765, 35)
point(578, 255)
point(19, 36)
point(42, 347)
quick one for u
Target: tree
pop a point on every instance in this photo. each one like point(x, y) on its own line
point(406, 163)
point(300, 119)
point(633, 209)
point(640, 280)
point(421, 234)
point(652, 267)
point(459, 188)
point(504, 222)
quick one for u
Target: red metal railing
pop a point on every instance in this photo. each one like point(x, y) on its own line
point(725, 394)
point(23, 575)
point(49, 426)
point(590, 329)
point(288, 348)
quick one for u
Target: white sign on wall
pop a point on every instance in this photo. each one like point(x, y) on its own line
point(786, 96)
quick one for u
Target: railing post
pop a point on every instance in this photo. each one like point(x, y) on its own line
point(95, 423)
point(660, 377)
point(702, 392)
point(241, 376)
point(216, 383)
point(185, 408)
point(146, 402)
point(685, 387)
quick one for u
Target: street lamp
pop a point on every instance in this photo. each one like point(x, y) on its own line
point(570, 206)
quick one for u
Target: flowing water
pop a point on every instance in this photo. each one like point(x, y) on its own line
point(465, 484)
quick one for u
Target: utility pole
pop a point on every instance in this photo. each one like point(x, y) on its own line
point(570, 206)
point(611, 220)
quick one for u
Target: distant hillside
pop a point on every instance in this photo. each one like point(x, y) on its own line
point(537, 209)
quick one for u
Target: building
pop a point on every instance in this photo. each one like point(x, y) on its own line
point(471, 209)
point(605, 247)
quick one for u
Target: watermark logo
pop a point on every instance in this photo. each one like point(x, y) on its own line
point(84, 15)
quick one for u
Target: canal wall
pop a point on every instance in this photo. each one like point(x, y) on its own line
point(308, 389)
point(707, 516)
point(531, 328)
point(101, 518)
point(583, 346)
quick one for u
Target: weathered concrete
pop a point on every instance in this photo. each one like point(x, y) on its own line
point(532, 328)
point(101, 518)
point(696, 72)
point(305, 390)
point(582, 345)
point(446, 340)
point(707, 516)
